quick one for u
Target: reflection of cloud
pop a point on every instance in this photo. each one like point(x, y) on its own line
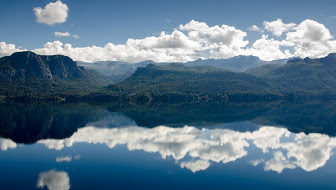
point(309, 152)
point(278, 163)
point(202, 147)
point(54, 180)
point(77, 157)
point(5, 144)
point(196, 166)
point(63, 159)
point(67, 158)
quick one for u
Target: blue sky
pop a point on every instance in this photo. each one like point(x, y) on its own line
point(100, 22)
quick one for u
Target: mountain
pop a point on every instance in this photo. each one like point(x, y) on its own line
point(308, 77)
point(176, 81)
point(28, 73)
point(30, 65)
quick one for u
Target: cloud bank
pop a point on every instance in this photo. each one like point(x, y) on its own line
point(195, 40)
point(52, 13)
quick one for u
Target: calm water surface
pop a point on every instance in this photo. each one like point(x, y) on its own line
point(240, 145)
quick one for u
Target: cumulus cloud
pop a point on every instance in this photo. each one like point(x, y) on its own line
point(311, 39)
point(195, 149)
point(75, 36)
point(54, 180)
point(62, 34)
point(8, 49)
point(198, 40)
point(52, 13)
point(164, 48)
point(269, 49)
point(222, 41)
point(277, 27)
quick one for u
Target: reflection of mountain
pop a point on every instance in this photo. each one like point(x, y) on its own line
point(302, 116)
point(30, 123)
point(297, 116)
point(190, 114)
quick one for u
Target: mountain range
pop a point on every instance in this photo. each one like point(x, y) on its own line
point(26, 75)
point(118, 70)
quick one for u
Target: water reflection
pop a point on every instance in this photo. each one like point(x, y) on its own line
point(54, 180)
point(81, 139)
point(6, 144)
point(196, 149)
point(67, 158)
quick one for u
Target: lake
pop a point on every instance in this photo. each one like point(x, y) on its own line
point(229, 145)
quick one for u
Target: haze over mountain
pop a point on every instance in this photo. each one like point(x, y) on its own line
point(119, 71)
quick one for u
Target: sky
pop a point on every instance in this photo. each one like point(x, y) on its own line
point(165, 31)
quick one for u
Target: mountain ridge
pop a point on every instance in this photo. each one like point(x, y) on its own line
point(119, 70)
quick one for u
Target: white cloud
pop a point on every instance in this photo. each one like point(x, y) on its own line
point(269, 49)
point(54, 180)
point(222, 41)
point(254, 28)
point(196, 40)
point(62, 34)
point(164, 48)
point(52, 13)
point(277, 27)
point(66, 34)
point(311, 39)
point(8, 49)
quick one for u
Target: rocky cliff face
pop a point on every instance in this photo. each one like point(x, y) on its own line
point(28, 65)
